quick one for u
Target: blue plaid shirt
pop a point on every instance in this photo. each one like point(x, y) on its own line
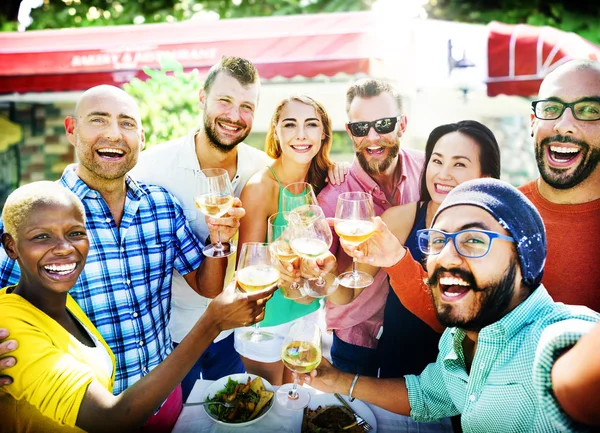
point(125, 287)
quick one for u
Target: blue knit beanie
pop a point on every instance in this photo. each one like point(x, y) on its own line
point(514, 212)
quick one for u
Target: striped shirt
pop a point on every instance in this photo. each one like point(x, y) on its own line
point(125, 287)
point(498, 394)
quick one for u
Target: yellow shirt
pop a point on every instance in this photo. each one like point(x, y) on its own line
point(52, 372)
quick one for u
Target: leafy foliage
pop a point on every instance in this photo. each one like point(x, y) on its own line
point(84, 13)
point(581, 17)
point(168, 101)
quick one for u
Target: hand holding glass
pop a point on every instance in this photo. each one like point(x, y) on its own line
point(312, 238)
point(354, 224)
point(279, 238)
point(256, 272)
point(301, 353)
point(214, 199)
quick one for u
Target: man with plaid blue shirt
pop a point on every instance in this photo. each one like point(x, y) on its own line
point(138, 235)
point(486, 253)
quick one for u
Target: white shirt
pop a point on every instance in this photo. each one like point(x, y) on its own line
point(174, 166)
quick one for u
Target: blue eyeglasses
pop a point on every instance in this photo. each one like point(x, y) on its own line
point(468, 243)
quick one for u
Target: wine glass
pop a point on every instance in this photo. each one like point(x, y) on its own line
point(301, 353)
point(311, 239)
point(279, 238)
point(256, 272)
point(297, 194)
point(354, 215)
point(214, 198)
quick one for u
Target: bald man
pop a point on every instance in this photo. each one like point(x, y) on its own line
point(138, 235)
point(565, 126)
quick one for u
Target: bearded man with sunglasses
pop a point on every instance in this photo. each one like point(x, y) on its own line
point(391, 175)
point(565, 126)
point(486, 251)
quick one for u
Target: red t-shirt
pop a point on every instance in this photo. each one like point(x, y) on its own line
point(572, 271)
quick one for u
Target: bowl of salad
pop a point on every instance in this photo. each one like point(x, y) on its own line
point(251, 398)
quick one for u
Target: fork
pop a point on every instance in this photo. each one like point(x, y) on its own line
point(360, 421)
point(202, 403)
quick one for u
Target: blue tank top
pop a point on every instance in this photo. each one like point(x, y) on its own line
point(407, 344)
point(418, 224)
point(280, 310)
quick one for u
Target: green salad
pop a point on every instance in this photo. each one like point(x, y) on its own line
point(249, 400)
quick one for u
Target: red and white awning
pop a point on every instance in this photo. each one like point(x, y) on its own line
point(520, 56)
point(76, 59)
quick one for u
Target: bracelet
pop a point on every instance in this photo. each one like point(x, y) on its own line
point(352, 386)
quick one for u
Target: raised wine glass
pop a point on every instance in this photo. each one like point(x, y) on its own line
point(256, 272)
point(311, 239)
point(297, 194)
point(214, 198)
point(279, 236)
point(354, 216)
point(301, 353)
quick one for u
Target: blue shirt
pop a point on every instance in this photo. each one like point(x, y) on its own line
point(125, 287)
point(498, 394)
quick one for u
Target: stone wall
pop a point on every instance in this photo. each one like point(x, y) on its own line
point(45, 151)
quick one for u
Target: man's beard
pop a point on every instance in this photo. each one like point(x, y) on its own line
point(556, 177)
point(213, 138)
point(376, 167)
point(493, 303)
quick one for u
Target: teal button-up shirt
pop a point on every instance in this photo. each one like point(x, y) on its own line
point(498, 394)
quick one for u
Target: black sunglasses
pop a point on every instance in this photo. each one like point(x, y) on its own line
point(384, 125)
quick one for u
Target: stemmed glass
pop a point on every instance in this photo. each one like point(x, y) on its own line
point(297, 194)
point(214, 198)
point(311, 238)
point(256, 272)
point(354, 215)
point(301, 353)
point(279, 237)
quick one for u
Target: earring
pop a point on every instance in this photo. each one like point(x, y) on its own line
point(532, 133)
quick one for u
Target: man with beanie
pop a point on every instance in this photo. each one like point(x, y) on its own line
point(486, 252)
point(565, 125)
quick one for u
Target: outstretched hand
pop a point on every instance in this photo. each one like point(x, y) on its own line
point(233, 309)
point(6, 346)
point(382, 249)
point(228, 224)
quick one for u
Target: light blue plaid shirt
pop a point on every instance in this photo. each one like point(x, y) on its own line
point(125, 287)
point(498, 393)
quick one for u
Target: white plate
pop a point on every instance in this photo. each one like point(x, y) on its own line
point(359, 407)
point(218, 385)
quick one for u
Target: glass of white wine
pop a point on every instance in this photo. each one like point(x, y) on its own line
point(256, 272)
point(214, 199)
point(297, 194)
point(311, 239)
point(279, 237)
point(354, 216)
point(301, 353)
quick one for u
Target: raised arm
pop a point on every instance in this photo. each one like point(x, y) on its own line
point(101, 411)
point(208, 279)
point(576, 379)
point(407, 277)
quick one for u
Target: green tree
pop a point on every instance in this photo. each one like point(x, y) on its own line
point(581, 17)
point(84, 13)
point(168, 101)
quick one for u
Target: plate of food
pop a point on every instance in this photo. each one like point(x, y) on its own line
point(250, 398)
point(325, 414)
